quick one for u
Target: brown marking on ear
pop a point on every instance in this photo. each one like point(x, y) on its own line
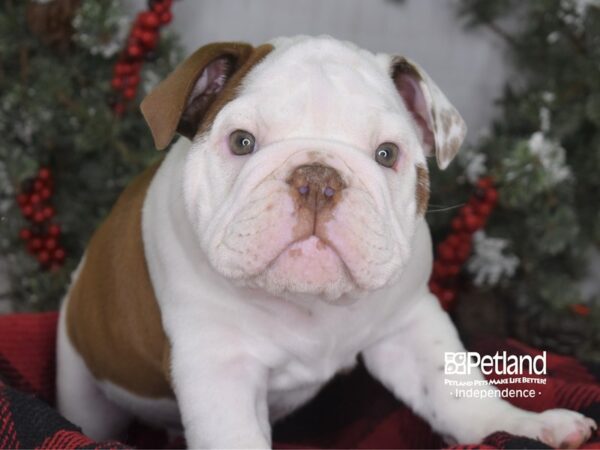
point(422, 189)
point(402, 71)
point(230, 90)
point(447, 121)
point(165, 105)
point(112, 316)
point(401, 65)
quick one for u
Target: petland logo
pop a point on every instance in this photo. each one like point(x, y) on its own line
point(462, 363)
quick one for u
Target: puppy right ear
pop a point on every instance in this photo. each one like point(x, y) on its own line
point(183, 99)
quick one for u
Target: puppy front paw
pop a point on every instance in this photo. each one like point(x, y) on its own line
point(558, 428)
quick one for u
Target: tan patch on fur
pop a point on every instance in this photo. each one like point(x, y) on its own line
point(230, 90)
point(451, 148)
point(112, 317)
point(422, 189)
point(447, 120)
point(164, 107)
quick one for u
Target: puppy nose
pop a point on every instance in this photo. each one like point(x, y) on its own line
point(318, 186)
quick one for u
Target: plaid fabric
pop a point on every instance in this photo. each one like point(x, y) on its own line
point(353, 411)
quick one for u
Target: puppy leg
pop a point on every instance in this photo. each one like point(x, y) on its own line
point(411, 364)
point(79, 398)
point(222, 400)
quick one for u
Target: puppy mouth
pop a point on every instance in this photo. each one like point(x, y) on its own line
point(304, 248)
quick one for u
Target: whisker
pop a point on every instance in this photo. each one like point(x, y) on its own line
point(441, 208)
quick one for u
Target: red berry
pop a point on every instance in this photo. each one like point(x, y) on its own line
point(54, 230)
point(39, 217)
point(457, 224)
point(439, 270)
point(27, 211)
point(22, 199)
point(44, 174)
point(122, 68)
point(35, 199)
point(51, 243)
point(167, 3)
point(491, 196)
point(59, 254)
point(453, 270)
point(45, 193)
point(137, 32)
point(149, 19)
point(580, 309)
point(129, 93)
point(133, 80)
point(134, 51)
point(435, 288)
point(467, 210)
point(158, 8)
point(166, 17)
point(446, 252)
point(25, 234)
point(453, 240)
point(48, 212)
point(472, 223)
point(117, 83)
point(485, 183)
point(448, 296)
point(36, 244)
point(484, 209)
point(463, 252)
point(149, 39)
point(43, 257)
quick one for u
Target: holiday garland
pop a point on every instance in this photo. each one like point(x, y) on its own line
point(42, 236)
point(141, 43)
point(67, 150)
point(454, 251)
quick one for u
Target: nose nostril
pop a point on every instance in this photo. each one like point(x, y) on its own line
point(329, 192)
point(303, 190)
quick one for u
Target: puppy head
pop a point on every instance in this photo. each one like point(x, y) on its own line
point(307, 173)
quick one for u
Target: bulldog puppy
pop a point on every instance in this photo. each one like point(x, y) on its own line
point(279, 239)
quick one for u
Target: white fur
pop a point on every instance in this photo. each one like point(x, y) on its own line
point(256, 331)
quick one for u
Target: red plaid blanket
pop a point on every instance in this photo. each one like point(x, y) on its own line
point(354, 411)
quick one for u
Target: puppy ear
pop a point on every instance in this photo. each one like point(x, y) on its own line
point(183, 99)
point(443, 129)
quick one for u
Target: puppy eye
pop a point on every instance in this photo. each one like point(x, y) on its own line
point(387, 154)
point(241, 142)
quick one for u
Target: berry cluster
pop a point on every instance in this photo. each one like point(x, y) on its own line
point(455, 250)
point(42, 236)
point(141, 44)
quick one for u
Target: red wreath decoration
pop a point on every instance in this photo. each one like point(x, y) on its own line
point(42, 234)
point(141, 43)
point(455, 250)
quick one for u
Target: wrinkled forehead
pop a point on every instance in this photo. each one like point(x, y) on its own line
point(330, 79)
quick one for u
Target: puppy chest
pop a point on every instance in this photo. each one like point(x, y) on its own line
point(302, 372)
